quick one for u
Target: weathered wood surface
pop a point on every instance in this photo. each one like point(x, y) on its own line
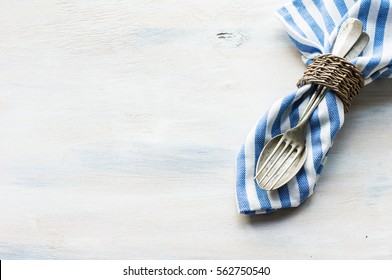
point(120, 123)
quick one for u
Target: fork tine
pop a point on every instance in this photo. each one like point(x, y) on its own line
point(281, 165)
point(269, 157)
point(274, 162)
point(298, 153)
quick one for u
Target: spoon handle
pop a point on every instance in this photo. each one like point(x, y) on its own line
point(319, 94)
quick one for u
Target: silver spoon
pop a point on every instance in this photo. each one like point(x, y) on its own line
point(285, 154)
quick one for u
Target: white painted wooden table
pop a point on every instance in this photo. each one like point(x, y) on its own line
point(120, 124)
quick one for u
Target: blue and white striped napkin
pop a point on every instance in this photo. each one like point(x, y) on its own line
point(312, 25)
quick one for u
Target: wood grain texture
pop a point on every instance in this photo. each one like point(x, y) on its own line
point(120, 124)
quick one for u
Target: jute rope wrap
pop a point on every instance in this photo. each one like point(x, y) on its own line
point(336, 73)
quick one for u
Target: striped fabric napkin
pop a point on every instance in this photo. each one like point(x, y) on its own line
point(312, 25)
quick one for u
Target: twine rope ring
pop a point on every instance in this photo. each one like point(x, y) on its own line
point(335, 73)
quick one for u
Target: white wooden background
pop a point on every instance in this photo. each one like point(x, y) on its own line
point(120, 124)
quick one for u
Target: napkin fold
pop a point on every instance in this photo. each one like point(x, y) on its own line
point(312, 25)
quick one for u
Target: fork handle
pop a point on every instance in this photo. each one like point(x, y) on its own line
point(313, 103)
point(313, 97)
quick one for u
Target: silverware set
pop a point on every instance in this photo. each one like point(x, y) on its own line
point(285, 154)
